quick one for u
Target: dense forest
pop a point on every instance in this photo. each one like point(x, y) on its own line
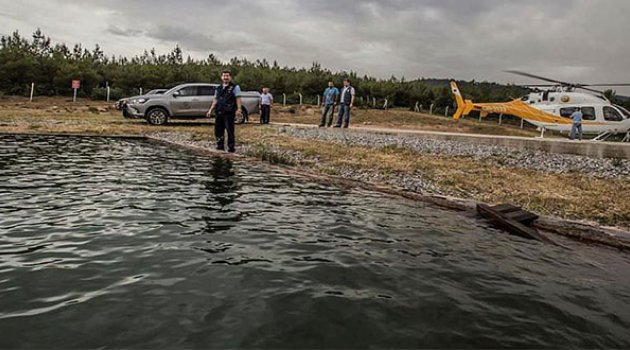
point(52, 67)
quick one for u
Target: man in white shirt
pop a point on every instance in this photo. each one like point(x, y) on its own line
point(346, 104)
point(266, 100)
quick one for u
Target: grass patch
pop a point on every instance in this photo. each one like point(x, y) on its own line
point(269, 155)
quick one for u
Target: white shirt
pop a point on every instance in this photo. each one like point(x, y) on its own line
point(266, 99)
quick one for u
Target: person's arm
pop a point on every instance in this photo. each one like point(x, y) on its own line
point(213, 106)
point(237, 94)
point(239, 112)
point(270, 100)
point(352, 92)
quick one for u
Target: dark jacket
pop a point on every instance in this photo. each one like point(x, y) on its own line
point(226, 101)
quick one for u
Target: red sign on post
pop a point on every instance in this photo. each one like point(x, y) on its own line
point(76, 84)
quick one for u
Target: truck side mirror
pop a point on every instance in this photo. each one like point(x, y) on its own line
point(176, 94)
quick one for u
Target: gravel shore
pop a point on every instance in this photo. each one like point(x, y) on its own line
point(502, 156)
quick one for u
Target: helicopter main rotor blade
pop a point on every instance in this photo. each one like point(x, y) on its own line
point(587, 89)
point(604, 85)
point(539, 77)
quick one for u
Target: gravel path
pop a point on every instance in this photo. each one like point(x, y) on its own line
point(500, 155)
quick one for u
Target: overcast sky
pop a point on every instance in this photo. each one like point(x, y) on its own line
point(573, 40)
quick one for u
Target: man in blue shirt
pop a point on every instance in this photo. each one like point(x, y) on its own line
point(227, 103)
point(577, 124)
point(330, 101)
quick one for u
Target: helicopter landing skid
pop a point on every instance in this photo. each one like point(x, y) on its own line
point(627, 137)
point(604, 136)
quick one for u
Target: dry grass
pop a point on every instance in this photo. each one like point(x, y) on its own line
point(402, 119)
point(572, 196)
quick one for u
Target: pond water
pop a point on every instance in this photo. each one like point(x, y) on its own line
point(112, 243)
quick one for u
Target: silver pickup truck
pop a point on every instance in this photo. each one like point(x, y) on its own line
point(187, 100)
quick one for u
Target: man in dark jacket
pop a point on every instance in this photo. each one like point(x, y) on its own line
point(227, 105)
point(346, 104)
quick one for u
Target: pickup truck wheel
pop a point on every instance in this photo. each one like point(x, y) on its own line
point(244, 118)
point(157, 116)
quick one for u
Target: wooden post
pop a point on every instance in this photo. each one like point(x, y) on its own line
point(108, 91)
point(417, 107)
point(32, 91)
point(385, 105)
point(300, 99)
point(522, 123)
point(374, 102)
point(74, 99)
point(500, 118)
point(140, 91)
point(431, 109)
point(446, 113)
point(284, 100)
point(319, 100)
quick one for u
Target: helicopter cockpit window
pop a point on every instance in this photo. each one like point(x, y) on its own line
point(612, 115)
point(624, 111)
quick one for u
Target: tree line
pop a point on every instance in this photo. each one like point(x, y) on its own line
point(52, 67)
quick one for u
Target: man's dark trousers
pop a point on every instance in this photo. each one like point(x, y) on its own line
point(225, 122)
point(265, 114)
point(327, 109)
point(344, 115)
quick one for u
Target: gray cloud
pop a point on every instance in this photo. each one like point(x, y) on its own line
point(575, 40)
point(113, 29)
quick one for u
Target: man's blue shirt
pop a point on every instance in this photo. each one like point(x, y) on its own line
point(577, 117)
point(330, 95)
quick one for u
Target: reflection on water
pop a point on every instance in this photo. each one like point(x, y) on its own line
point(110, 243)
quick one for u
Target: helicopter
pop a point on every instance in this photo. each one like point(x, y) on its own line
point(552, 107)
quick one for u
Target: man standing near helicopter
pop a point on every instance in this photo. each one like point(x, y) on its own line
point(577, 124)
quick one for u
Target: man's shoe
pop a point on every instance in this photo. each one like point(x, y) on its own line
point(321, 126)
point(232, 150)
point(220, 148)
point(345, 126)
point(337, 126)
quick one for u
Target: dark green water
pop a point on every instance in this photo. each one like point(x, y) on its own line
point(107, 243)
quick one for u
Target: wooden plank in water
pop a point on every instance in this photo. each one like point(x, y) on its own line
point(506, 208)
point(510, 225)
point(522, 216)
